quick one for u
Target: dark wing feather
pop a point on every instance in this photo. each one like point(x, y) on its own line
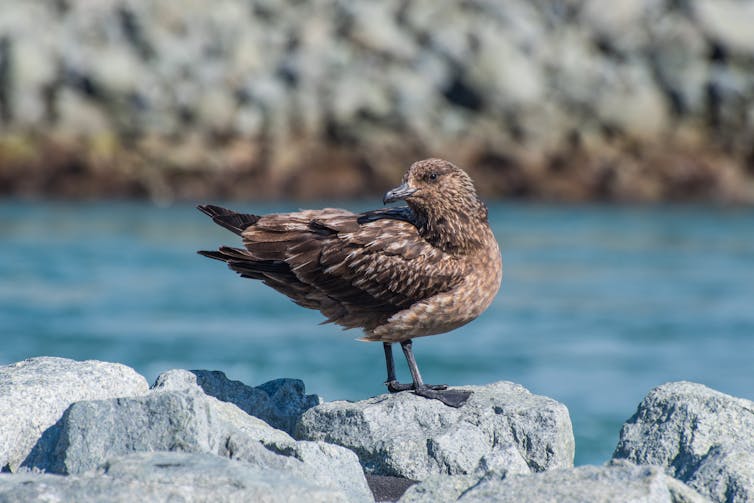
point(234, 222)
point(395, 213)
point(358, 270)
point(389, 260)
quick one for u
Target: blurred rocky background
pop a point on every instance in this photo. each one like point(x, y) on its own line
point(629, 100)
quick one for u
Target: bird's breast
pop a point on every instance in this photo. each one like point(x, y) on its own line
point(451, 309)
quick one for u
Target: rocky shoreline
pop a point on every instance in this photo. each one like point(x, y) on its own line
point(95, 431)
point(568, 100)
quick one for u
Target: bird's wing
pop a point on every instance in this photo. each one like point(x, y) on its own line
point(389, 260)
point(356, 273)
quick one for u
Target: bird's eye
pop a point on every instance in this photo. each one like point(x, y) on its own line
point(433, 176)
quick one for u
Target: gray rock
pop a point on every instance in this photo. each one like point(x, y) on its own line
point(503, 428)
point(325, 464)
point(701, 436)
point(34, 394)
point(728, 22)
point(91, 432)
point(440, 488)
point(279, 403)
point(167, 476)
point(615, 483)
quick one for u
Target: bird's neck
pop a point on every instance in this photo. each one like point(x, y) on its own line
point(455, 231)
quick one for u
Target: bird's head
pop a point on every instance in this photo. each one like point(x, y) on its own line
point(444, 202)
point(436, 183)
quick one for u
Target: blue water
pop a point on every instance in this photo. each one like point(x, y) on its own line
point(598, 305)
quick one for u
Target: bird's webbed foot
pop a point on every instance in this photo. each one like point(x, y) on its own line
point(396, 387)
point(450, 397)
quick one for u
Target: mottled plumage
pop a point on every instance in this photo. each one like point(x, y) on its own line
point(397, 273)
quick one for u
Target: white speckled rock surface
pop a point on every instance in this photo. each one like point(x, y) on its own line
point(34, 394)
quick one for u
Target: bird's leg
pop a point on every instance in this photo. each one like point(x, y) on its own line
point(450, 397)
point(392, 383)
point(408, 352)
point(393, 386)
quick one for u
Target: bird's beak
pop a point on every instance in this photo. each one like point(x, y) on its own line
point(398, 193)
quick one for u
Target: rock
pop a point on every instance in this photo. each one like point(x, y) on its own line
point(615, 483)
point(91, 432)
point(167, 476)
point(76, 113)
point(634, 103)
point(440, 488)
point(376, 27)
point(279, 403)
point(216, 110)
point(700, 436)
point(34, 394)
point(503, 428)
point(727, 21)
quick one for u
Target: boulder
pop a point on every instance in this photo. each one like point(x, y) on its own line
point(614, 483)
point(440, 488)
point(91, 432)
point(503, 428)
point(279, 403)
point(168, 476)
point(34, 394)
point(727, 22)
point(700, 436)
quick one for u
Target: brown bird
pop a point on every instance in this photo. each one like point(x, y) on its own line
point(397, 273)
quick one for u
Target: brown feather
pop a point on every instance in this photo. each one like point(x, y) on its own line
point(397, 273)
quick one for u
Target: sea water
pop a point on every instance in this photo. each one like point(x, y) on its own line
point(599, 304)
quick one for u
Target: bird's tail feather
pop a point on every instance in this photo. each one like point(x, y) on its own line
point(213, 254)
point(234, 222)
point(243, 263)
